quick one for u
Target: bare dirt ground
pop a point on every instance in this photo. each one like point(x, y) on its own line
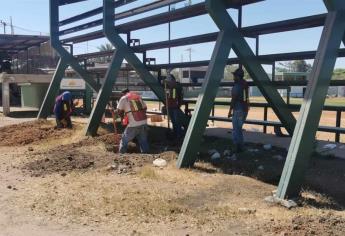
point(67, 184)
point(328, 118)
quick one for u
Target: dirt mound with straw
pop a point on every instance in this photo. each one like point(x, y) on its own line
point(89, 153)
point(31, 132)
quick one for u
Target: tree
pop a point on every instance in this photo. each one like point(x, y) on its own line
point(338, 74)
point(294, 66)
point(104, 48)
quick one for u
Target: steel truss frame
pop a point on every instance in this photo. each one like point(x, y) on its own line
point(66, 59)
point(302, 143)
point(122, 51)
point(229, 37)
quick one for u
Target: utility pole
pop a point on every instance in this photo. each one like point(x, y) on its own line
point(11, 25)
point(4, 24)
point(190, 60)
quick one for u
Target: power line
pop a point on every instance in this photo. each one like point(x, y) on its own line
point(4, 23)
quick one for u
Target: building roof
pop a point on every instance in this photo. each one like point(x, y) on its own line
point(13, 44)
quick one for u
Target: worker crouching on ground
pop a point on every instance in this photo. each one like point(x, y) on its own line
point(132, 109)
point(239, 108)
point(174, 101)
point(63, 110)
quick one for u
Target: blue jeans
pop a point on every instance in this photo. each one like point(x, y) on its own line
point(238, 118)
point(173, 114)
point(139, 132)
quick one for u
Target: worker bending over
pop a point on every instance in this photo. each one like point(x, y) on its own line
point(174, 95)
point(239, 108)
point(132, 109)
point(63, 110)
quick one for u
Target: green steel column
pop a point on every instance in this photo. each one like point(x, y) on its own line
point(209, 90)
point(104, 94)
point(301, 146)
point(66, 59)
point(219, 14)
point(49, 99)
point(332, 5)
point(88, 99)
point(48, 102)
point(74, 63)
point(135, 62)
point(261, 79)
point(112, 72)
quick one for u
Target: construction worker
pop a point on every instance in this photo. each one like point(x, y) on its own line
point(132, 109)
point(239, 108)
point(174, 94)
point(63, 110)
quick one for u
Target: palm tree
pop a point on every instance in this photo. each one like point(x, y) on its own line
point(104, 48)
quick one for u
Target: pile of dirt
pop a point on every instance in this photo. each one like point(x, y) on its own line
point(328, 224)
point(30, 132)
point(90, 153)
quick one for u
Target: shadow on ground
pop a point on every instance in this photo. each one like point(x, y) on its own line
point(324, 176)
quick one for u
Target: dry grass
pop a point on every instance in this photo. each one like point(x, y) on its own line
point(154, 201)
point(148, 172)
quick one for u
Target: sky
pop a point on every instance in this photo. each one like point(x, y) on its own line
point(32, 17)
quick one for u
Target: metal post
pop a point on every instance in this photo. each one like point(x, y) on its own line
point(273, 71)
point(129, 39)
point(112, 72)
point(135, 62)
point(66, 59)
point(288, 94)
point(257, 47)
point(209, 88)
point(265, 118)
point(5, 94)
point(27, 61)
point(338, 125)
point(302, 142)
point(230, 33)
point(48, 102)
point(104, 94)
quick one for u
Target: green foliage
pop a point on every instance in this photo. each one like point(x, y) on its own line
point(294, 66)
point(338, 74)
point(105, 47)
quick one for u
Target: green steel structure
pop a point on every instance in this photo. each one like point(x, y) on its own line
point(231, 35)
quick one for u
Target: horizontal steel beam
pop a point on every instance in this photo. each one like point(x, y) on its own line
point(263, 58)
point(122, 15)
point(250, 84)
point(184, 13)
point(162, 18)
point(66, 2)
point(91, 13)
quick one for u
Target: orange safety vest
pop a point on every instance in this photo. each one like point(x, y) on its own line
point(137, 108)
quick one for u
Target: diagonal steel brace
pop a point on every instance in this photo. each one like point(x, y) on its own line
point(113, 36)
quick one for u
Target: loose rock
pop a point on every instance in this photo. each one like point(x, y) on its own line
point(159, 162)
point(267, 147)
point(215, 156)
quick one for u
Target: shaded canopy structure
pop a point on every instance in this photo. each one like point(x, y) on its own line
point(231, 36)
point(13, 44)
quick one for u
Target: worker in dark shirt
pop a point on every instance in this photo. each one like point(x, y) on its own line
point(239, 108)
point(174, 95)
point(63, 110)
